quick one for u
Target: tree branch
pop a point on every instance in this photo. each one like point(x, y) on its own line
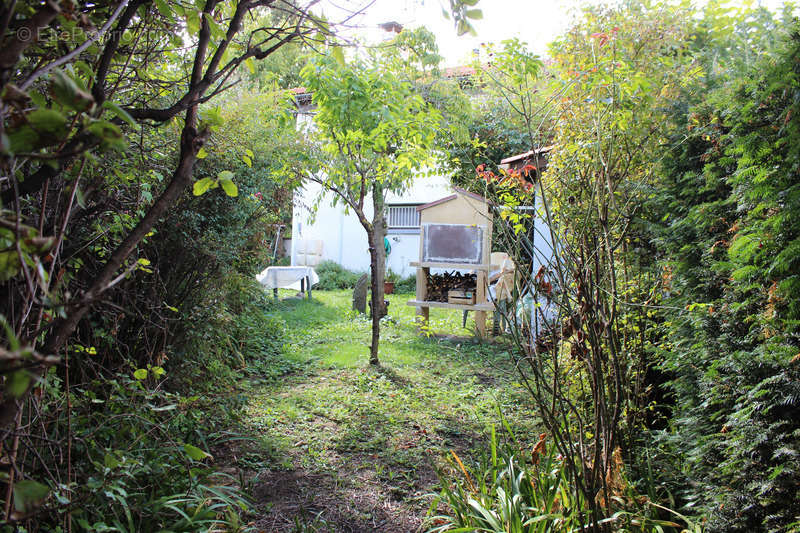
point(26, 35)
point(74, 53)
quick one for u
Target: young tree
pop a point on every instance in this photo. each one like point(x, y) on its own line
point(608, 87)
point(374, 135)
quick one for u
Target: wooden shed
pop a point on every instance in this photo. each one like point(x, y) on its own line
point(455, 236)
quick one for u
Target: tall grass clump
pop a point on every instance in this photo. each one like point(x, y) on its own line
point(516, 489)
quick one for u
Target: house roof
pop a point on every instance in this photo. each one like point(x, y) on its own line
point(446, 199)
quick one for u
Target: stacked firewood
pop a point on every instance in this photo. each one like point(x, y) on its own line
point(440, 284)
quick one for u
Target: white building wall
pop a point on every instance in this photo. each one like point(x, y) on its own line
point(543, 247)
point(344, 239)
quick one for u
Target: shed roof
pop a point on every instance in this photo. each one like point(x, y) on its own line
point(526, 155)
point(458, 190)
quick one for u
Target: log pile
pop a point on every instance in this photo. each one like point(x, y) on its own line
point(440, 284)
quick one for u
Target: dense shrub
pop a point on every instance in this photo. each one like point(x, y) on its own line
point(231, 335)
point(142, 439)
point(730, 235)
point(190, 307)
point(333, 276)
point(138, 459)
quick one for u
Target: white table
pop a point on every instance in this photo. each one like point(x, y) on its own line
point(292, 277)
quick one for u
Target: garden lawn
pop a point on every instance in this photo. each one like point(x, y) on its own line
point(346, 447)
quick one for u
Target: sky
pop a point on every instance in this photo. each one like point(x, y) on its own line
point(535, 22)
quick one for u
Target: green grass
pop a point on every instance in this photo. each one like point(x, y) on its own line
point(347, 436)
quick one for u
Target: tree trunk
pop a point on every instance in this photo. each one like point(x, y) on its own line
point(377, 255)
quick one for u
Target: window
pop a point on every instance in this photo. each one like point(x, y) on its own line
point(402, 217)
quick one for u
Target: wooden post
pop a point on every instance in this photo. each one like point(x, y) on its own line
point(423, 313)
point(480, 297)
point(308, 284)
point(275, 293)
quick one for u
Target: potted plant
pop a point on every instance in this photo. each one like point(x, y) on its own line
point(389, 281)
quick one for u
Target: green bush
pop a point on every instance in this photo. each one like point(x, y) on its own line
point(333, 276)
point(406, 285)
point(231, 335)
point(730, 238)
point(141, 458)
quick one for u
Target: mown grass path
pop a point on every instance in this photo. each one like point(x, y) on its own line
point(354, 448)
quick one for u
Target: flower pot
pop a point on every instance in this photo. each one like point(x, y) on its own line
point(388, 287)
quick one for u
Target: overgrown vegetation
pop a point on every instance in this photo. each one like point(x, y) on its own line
point(731, 269)
point(148, 161)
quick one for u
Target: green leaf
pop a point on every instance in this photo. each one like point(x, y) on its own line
point(85, 69)
point(247, 161)
point(18, 383)
point(474, 14)
point(229, 187)
point(140, 374)
point(28, 495)
point(201, 186)
point(338, 54)
point(250, 64)
point(202, 154)
point(23, 139)
point(48, 121)
point(119, 112)
point(67, 92)
point(110, 461)
point(108, 133)
point(249, 153)
point(195, 453)
point(163, 8)
point(216, 30)
point(192, 22)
